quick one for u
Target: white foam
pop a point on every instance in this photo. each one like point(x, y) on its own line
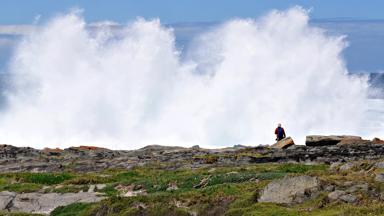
point(73, 86)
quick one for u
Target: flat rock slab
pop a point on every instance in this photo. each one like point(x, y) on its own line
point(318, 140)
point(6, 198)
point(42, 203)
point(284, 143)
point(289, 189)
point(354, 141)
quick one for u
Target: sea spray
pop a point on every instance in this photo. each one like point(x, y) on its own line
point(75, 86)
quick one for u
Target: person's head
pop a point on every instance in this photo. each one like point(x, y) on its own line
point(279, 125)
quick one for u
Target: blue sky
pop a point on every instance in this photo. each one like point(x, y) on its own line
point(361, 21)
point(173, 11)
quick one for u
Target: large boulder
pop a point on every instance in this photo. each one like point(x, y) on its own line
point(6, 198)
point(290, 190)
point(342, 196)
point(42, 203)
point(335, 195)
point(377, 141)
point(9, 151)
point(284, 143)
point(319, 140)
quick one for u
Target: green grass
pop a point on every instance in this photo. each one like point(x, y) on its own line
point(69, 189)
point(262, 209)
point(75, 209)
point(300, 168)
point(21, 187)
point(231, 190)
point(157, 180)
point(228, 191)
point(88, 179)
point(46, 178)
point(37, 178)
point(110, 190)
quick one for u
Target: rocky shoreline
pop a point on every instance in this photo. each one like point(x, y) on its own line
point(335, 169)
point(319, 149)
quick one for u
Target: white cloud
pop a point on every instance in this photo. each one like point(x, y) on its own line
point(6, 42)
point(103, 24)
point(16, 29)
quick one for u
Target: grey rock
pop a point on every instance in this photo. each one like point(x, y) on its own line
point(172, 186)
point(240, 146)
point(360, 187)
point(212, 170)
point(204, 182)
point(380, 165)
point(140, 206)
point(353, 141)
point(289, 190)
point(348, 183)
point(329, 188)
point(9, 151)
point(45, 203)
point(349, 198)
point(90, 159)
point(363, 187)
point(232, 173)
point(333, 196)
point(135, 193)
point(100, 186)
point(131, 190)
point(91, 188)
point(318, 140)
point(379, 177)
point(59, 186)
point(334, 166)
point(346, 167)
point(6, 198)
